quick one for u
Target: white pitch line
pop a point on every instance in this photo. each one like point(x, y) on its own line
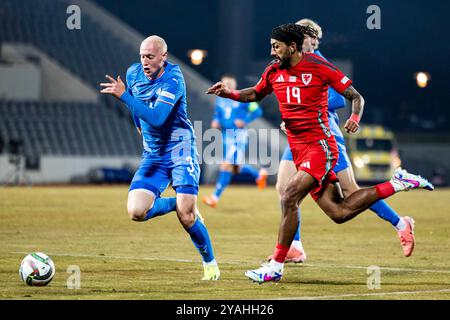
point(97, 256)
point(335, 266)
point(398, 293)
point(235, 262)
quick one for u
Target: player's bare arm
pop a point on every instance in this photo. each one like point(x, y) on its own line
point(244, 95)
point(352, 124)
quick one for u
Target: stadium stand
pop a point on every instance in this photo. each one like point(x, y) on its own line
point(67, 128)
point(103, 45)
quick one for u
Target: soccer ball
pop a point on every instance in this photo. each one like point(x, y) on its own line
point(37, 269)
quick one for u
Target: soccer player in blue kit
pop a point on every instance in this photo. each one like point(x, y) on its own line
point(232, 117)
point(403, 225)
point(156, 97)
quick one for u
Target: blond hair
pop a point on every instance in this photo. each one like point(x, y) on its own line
point(156, 39)
point(312, 24)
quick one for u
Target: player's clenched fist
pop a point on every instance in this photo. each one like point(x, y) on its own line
point(352, 124)
point(115, 87)
point(219, 89)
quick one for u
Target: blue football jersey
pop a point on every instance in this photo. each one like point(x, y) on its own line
point(335, 101)
point(170, 89)
point(227, 111)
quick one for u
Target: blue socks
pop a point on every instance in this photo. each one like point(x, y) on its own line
point(161, 206)
point(247, 169)
point(384, 211)
point(297, 234)
point(198, 232)
point(222, 183)
point(200, 238)
point(225, 178)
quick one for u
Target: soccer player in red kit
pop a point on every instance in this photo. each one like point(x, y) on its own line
point(300, 82)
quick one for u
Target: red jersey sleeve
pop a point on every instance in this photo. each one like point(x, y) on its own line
point(264, 87)
point(335, 78)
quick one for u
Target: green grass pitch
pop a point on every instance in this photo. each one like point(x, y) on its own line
point(121, 259)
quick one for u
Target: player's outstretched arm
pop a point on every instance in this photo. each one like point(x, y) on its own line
point(352, 124)
point(244, 95)
point(155, 116)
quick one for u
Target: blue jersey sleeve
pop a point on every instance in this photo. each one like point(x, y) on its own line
point(154, 116)
point(335, 100)
point(171, 91)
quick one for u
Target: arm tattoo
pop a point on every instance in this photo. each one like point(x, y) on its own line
point(249, 95)
point(357, 100)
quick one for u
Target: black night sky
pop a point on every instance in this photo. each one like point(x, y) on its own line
point(413, 37)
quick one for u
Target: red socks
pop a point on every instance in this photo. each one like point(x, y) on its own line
point(385, 189)
point(280, 253)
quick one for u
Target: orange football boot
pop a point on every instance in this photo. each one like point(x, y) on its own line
point(294, 255)
point(261, 182)
point(210, 201)
point(407, 236)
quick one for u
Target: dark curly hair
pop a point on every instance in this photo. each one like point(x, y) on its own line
point(291, 32)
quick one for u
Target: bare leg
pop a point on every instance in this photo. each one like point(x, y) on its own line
point(347, 181)
point(139, 202)
point(186, 206)
point(286, 171)
point(342, 210)
point(296, 190)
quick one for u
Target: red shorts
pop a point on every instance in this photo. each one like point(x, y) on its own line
point(317, 158)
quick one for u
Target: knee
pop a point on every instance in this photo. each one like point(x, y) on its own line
point(136, 213)
point(186, 216)
point(287, 200)
point(337, 216)
point(280, 188)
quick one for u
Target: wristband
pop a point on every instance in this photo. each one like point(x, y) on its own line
point(235, 95)
point(355, 117)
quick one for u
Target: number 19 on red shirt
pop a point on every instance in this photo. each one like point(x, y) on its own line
point(295, 92)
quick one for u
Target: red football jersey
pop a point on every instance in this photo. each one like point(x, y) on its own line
point(302, 93)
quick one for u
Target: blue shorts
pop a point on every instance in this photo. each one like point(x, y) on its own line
point(343, 159)
point(234, 147)
point(155, 173)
